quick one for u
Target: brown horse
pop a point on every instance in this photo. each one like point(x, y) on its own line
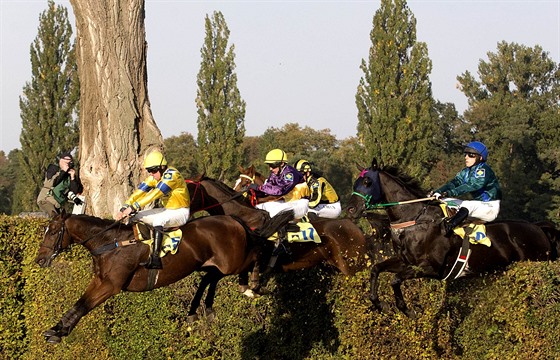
point(420, 248)
point(219, 245)
point(343, 243)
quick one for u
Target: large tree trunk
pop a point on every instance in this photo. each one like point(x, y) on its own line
point(116, 123)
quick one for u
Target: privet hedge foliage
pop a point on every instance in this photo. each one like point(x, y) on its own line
point(313, 314)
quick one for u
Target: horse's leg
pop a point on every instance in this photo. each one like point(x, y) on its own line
point(407, 273)
point(195, 302)
point(96, 293)
point(243, 281)
point(209, 300)
point(392, 265)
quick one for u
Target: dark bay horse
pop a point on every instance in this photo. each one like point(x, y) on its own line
point(420, 248)
point(220, 245)
point(343, 243)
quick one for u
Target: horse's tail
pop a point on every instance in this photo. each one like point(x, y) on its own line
point(550, 230)
point(275, 223)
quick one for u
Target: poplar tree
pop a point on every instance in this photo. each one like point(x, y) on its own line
point(48, 104)
point(514, 108)
point(394, 97)
point(221, 111)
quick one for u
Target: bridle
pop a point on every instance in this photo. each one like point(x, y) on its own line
point(57, 248)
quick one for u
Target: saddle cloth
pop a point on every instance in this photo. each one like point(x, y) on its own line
point(306, 233)
point(170, 243)
point(475, 231)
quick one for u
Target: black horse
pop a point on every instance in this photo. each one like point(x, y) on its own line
point(420, 248)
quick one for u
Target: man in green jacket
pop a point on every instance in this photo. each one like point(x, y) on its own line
point(61, 184)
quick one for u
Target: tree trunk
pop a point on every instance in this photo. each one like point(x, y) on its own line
point(117, 127)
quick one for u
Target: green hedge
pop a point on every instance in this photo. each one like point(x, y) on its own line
point(313, 314)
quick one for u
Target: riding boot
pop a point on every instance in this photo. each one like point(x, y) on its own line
point(155, 260)
point(451, 223)
point(281, 246)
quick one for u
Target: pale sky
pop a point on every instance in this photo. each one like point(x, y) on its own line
point(297, 61)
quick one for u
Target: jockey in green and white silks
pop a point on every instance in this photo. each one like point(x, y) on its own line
point(477, 179)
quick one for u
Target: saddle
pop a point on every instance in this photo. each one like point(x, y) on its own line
point(302, 231)
point(171, 237)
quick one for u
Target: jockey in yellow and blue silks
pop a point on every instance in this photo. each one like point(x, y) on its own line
point(324, 201)
point(165, 183)
point(477, 179)
point(283, 181)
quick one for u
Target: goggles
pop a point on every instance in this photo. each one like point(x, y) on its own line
point(471, 155)
point(153, 169)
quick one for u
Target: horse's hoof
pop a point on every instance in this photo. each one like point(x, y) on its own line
point(243, 288)
point(262, 291)
point(192, 318)
point(251, 294)
point(49, 333)
point(210, 315)
point(53, 339)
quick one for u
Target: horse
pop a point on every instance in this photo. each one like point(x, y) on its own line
point(343, 245)
point(420, 250)
point(220, 245)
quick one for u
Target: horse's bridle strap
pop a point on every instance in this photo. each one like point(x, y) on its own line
point(403, 225)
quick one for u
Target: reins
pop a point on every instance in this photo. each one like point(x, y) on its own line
point(370, 206)
point(394, 226)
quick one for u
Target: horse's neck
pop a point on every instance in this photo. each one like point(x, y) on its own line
point(394, 193)
point(259, 178)
point(85, 228)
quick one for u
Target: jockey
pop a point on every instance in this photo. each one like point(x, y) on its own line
point(478, 179)
point(324, 201)
point(168, 184)
point(286, 182)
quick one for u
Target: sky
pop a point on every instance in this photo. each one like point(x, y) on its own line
point(297, 61)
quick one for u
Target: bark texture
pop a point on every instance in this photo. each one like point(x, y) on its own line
point(117, 126)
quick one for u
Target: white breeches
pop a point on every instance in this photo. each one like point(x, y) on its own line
point(300, 207)
point(167, 218)
point(483, 210)
point(329, 211)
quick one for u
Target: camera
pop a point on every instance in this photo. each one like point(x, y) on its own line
point(71, 165)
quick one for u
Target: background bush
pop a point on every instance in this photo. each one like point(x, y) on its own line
point(312, 314)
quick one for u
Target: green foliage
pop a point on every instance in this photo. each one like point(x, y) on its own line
point(394, 98)
point(512, 107)
point(49, 104)
point(311, 314)
point(180, 152)
point(8, 173)
point(221, 110)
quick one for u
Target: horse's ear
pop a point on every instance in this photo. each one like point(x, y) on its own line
point(240, 168)
point(374, 164)
point(251, 168)
point(360, 167)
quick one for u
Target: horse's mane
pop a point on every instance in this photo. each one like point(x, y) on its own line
point(221, 185)
point(405, 180)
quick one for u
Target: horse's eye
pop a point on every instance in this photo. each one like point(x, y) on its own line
point(367, 182)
